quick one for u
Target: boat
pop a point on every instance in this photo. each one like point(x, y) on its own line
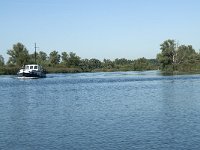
point(32, 71)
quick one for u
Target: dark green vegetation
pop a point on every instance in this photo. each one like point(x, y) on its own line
point(173, 58)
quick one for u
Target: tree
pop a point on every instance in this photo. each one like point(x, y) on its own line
point(186, 54)
point(85, 65)
point(167, 57)
point(42, 57)
point(142, 64)
point(74, 60)
point(1, 61)
point(108, 64)
point(18, 55)
point(32, 58)
point(122, 61)
point(54, 58)
point(177, 58)
point(65, 58)
point(94, 64)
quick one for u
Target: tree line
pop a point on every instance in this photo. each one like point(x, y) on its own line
point(172, 58)
point(69, 62)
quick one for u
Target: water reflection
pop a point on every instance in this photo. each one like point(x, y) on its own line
point(179, 107)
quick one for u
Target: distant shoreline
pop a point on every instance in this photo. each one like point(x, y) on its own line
point(13, 70)
point(55, 70)
point(173, 59)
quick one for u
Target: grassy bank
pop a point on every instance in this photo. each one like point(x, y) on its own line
point(7, 70)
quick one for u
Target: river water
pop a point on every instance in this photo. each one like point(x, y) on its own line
point(100, 111)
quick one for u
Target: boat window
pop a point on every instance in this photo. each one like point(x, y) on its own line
point(27, 67)
point(31, 67)
point(35, 67)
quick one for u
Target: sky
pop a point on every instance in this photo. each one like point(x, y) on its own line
point(99, 29)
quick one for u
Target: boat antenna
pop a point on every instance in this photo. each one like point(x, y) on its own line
point(35, 52)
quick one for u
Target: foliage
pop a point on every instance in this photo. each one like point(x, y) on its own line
point(65, 58)
point(94, 64)
point(122, 61)
point(42, 58)
point(167, 56)
point(61, 69)
point(142, 64)
point(84, 65)
point(54, 58)
point(108, 64)
point(8, 70)
point(177, 58)
point(1, 61)
point(172, 58)
point(73, 60)
point(18, 55)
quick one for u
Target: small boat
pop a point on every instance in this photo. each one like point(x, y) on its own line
point(32, 71)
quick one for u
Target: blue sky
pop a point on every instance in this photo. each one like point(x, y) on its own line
point(99, 28)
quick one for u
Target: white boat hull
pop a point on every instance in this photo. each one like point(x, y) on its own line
point(31, 72)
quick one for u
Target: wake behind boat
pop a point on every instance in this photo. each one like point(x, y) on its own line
point(32, 71)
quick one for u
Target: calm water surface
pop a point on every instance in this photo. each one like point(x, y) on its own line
point(114, 111)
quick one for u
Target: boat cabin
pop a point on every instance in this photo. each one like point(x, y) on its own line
point(31, 71)
point(32, 67)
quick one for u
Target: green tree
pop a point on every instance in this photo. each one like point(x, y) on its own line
point(74, 60)
point(1, 61)
point(18, 55)
point(108, 64)
point(142, 64)
point(65, 58)
point(122, 61)
point(85, 65)
point(177, 58)
point(54, 58)
point(42, 58)
point(167, 57)
point(94, 64)
point(32, 58)
point(187, 58)
point(186, 54)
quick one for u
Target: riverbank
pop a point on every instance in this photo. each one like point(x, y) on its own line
point(13, 70)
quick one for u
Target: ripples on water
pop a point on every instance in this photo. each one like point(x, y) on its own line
point(120, 110)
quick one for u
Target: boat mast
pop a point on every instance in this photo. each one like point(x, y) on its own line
point(35, 52)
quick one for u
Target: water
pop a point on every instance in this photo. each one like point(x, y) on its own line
point(111, 111)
